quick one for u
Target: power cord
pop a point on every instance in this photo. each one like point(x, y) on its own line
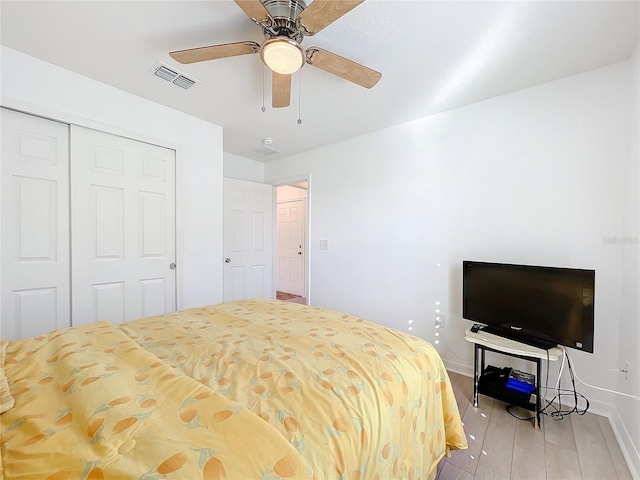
point(550, 409)
point(508, 409)
point(635, 397)
point(439, 336)
point(558, 413)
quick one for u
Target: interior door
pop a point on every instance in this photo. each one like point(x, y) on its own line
point(122, 228)
point(34, 225)
point(247, 243)
point(290, 235)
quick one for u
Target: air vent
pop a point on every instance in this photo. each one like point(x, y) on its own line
point(184, 82)
point(174, 76)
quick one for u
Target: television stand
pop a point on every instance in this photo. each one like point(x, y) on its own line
point(484, 341)
point(534, 342)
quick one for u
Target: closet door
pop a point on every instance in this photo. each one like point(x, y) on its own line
point(122, 228)
point(34, 222)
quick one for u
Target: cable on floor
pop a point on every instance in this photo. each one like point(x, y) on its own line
point(508, 409)
point(553, 407)
point(557, 412)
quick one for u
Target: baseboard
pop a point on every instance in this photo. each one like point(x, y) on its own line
point(629, 450)
point(600, 408)
point(458, 367)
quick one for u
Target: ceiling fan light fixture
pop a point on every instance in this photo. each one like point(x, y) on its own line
point(282, 55)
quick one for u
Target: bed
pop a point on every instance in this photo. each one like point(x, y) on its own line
point(250, 389)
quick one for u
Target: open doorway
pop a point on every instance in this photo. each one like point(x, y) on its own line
point(291, 242)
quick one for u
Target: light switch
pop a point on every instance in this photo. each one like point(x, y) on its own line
point(324, 244)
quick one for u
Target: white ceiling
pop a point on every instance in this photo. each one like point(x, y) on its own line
point(433, 55)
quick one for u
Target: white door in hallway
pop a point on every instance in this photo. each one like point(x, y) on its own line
point(290, 235)
point(247, 243)
point(122, 228)
point(34, 226)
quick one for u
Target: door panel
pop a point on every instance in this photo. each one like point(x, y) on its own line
point(34, 223)
point(35, 209)
point(108, 302)
point(106, 222)
point(123, 228)
point(154, 292)
point(248, 211)
point(35, 311)
point(152, 214)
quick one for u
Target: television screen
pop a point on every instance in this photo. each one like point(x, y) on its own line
point(540, 306)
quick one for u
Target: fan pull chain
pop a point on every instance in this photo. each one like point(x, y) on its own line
point(264, 109)
point(299, 97)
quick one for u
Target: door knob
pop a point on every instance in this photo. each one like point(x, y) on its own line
point(299, 253)
point(227, 260)
point(172, 266)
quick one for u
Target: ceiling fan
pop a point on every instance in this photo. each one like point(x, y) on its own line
point(285, 23)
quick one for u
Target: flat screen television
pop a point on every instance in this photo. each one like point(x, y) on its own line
point(539, 306)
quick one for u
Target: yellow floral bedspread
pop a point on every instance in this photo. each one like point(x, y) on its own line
point(90, 403)
point(355, 399)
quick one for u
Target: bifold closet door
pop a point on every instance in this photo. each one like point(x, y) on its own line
point(34, 239)
point(122, 228)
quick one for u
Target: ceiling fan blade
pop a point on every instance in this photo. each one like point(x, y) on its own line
point(281, 90)
point(254, 9)
point(214, 52)
point(322, 13)
point(342, 67)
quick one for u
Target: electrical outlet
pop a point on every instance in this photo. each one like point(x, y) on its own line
point(439, 320)
point(627, 371)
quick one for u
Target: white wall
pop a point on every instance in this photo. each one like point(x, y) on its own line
point(34, 86)
point(533, 177)
point(242, 168)
point(629, 409)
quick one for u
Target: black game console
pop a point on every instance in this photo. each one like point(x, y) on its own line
point(493, 382)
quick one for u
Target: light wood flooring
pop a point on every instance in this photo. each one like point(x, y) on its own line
point(503, 447)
